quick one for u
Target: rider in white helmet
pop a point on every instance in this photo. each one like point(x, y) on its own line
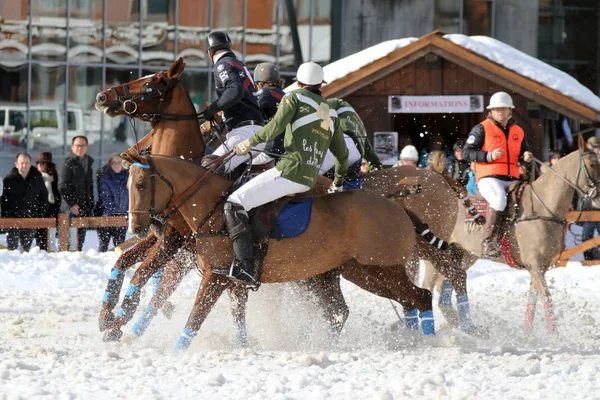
point(311, 128)
point(496, 145)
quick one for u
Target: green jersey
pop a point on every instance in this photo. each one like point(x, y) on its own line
point(311, 128)
point(353, 126)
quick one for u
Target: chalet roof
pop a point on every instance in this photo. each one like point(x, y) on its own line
point(482, 55)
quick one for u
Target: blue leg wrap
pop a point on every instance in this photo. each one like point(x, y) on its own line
point(132, 297)
point(185, 340)
point(427, 323)
point(446, 294)
point(142, 323)
point(156, 278)
point(241, 334)
point(411, 319)
point(114, 273)
point(464, 313)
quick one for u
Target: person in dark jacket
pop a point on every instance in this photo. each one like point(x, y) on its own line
point(24, 196)
point(47, 168)
point(458, 167)
point(270, 92)
point(236, 98)
point(113, 199)
point(76, 183)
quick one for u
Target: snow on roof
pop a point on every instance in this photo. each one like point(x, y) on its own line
point(492, 49)
point(526, 65)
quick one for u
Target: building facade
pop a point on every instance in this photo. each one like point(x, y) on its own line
point(55, 55)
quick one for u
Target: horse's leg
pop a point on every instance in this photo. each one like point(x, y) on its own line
point(532, 298)
point(171, 278)
point(238, 298)
point(329, 293)
point(211, 288)
point(539, 282)
point(393, 283)
point(168, 308)
point(161, 253)
point(412, 270)
point(430, 277)
point(115, 282)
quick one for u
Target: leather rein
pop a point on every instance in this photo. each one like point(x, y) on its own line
point(130, 107)
point(591, 193)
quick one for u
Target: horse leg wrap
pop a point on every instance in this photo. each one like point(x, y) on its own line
point(185, 340)
point(465, 322)
point(411, 319)
point(427, 323)
point(530, 310)
point(130, 303)
point(432, 239)
point(549, 314)
point(142, 323)
point(446, 294)
point(241, 335)
point(113, 288)
point(156, 278)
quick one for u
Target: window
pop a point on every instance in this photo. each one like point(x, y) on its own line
point(469, 17)
point(71, 121)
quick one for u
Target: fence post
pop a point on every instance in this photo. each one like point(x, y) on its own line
point(63, 232)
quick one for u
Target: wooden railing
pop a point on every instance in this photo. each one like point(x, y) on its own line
point(62, 224)
point(586, 216)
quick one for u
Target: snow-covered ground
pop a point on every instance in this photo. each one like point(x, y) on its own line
point(51, 347)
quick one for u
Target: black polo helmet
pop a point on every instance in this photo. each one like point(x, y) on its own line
point(266, 72)
point(217, 40)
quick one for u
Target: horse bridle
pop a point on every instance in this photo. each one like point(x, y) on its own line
point(129, 99)
point(591, 193)
point(175, 204)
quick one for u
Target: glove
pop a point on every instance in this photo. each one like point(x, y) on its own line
point(335, 189)
point(242, 148)
point(210, 112)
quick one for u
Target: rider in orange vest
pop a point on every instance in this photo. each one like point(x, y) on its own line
point(496, 145)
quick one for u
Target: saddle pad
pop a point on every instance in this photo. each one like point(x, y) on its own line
point(479, 204)
point(293, 220)
point(354, 184)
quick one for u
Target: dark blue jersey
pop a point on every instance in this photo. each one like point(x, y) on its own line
point(237, 96)
point(268, 100)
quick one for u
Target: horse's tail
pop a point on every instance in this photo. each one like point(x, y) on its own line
point(463, 196)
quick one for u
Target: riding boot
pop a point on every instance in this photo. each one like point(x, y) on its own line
point(238, 225)
point(490, 248)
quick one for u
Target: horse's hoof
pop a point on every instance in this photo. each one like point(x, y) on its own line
point(168, 310)
point(105, 320)
point(112, 335)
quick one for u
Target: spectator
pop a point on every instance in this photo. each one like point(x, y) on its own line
point(458, 168)
point(113, 199)
point(472, 182)
point(553, 158)
point(75, 183)
point(364, 167)
point(47, 168)
point(437, 161)
point(590, 228)
point(409, 156)
point(24, 196)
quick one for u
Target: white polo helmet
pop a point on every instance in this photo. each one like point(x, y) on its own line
point(499, 100)
point(409, 153)
point(310, 73)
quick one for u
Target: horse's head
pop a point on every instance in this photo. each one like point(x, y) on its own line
point(144, 96)
point(149, 195)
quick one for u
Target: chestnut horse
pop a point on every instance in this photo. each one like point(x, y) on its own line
point(536, 235)
point(368, 237)
point(162, 100)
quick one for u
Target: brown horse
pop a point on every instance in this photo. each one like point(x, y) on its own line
point(162, 100)
point(536, 233)
point(366, 235)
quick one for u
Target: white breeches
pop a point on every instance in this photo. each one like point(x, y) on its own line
point(266, 187)
point(493, 191)
point(353, 156)
point(236, 136)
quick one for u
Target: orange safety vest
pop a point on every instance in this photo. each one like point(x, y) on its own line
point(508, 163)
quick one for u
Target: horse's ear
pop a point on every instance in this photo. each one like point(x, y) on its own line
point(581, 143)
point(176, 69)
